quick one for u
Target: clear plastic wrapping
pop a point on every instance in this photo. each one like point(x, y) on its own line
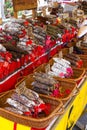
point(17, 105)
point(12, 109)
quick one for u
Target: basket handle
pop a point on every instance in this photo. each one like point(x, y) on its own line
point(83, 74)
point(58, 113)
point(20, 78)
point(86, 74)
point(77, 92)
point(78, 89)
point(2, 93)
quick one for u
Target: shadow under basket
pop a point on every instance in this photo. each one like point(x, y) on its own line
point(65, 84)
point(40, 122)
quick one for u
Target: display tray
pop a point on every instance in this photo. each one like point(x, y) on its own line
point(27, 81)
point(40, 122)
point(78, 73)
point(83, 57)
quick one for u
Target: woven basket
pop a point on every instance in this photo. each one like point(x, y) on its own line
point(63, 83)
point(65, 51)
point(77, 76)
point(2, 93)
point(78, 73)
point(84, 49)
point(41, 122)
point(72, 44)
point(84, 59)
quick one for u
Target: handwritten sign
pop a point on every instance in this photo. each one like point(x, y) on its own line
point(19, 5)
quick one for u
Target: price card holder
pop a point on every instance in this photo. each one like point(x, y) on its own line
point(30, 32)
point(20, 89)
point(60, 54)
point(71, 50)
point(47, 68)
point(78, 44)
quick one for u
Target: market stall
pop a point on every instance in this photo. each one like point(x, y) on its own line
point(43, 64)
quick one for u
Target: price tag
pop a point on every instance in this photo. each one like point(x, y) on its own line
point(60, 54)
point(71, 50)
point(30, 32)
point(21, 89)
point(78, 44)
point(47, 68)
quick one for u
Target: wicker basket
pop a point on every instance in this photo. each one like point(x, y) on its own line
point(84, 59)
point(2, 93)
point(63, 83)
point(65, 51)
point(72, 44)
point(77, 76)
point(84, 49)
point(41, 122)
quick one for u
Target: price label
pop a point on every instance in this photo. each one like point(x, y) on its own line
point(30, 32)
point(78, 44)
point(71, 50)
point(21, 88)
point(60, 54)
point(47, 68)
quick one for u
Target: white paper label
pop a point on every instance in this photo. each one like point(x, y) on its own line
point(71, 50)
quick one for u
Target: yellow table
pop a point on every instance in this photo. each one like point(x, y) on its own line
point(72, 112)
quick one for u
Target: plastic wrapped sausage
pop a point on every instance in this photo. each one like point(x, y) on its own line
point(17, 105)
point(12, 109)
point(42, 86)
point(27, 92)
point(48, 81)
point(22, 99)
